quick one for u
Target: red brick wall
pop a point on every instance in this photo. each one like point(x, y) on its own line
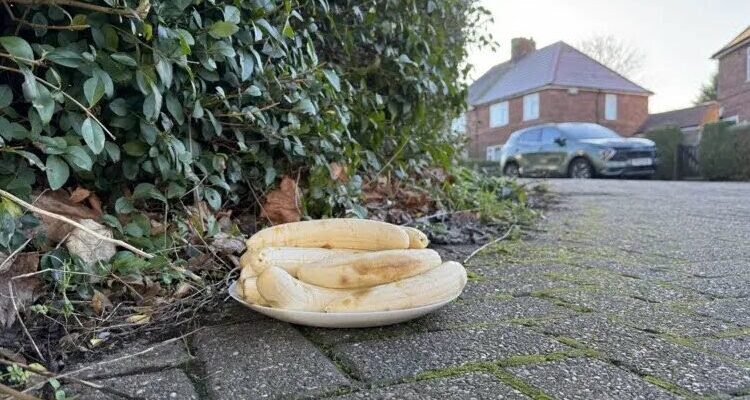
point(556, 105)
point(734, 89)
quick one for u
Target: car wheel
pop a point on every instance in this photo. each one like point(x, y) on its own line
point(511, 170)
point(580, 168)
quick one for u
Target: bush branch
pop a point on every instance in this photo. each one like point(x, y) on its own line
point(67, 220)
point(126, 12)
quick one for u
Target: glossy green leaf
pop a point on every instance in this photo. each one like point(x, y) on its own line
point(93, 89)
point(57, 172)
point(223, 29)
point(17, 47)
point(6, 96)
point(93, 135)
point(124, 59)
point(76, 155)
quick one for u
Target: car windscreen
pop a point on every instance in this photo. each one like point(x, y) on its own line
point(588, 132)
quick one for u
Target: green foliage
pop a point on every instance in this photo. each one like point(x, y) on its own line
point(725, 151)
point(709, 90)
point(667, 141)
point(225, 97)
point(494, 198)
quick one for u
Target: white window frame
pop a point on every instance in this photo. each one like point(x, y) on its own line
point(531, 106)
point(610, 107)
point(499, 114)
point(747, 64)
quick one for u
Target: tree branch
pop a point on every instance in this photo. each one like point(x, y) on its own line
point(140, 13)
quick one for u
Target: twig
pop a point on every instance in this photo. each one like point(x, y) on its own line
point(23, 325)
point(118, 359)
point(16, 394)
point(501, 238)
point(69, 97)
point(86, 6)
point(14, 253)
point(79, 381)
point(74, 223)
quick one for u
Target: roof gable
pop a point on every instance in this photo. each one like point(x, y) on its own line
point(738, 41)
point(557, 64)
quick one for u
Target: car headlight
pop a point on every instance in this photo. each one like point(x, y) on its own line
point(607, 154)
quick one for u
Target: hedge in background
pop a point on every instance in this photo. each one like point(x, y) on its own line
point(667, 141)
point(219, 99)
point(725, 151)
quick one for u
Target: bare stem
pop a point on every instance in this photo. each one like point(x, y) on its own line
point(74, 223)
point(86, 6)
point(69, 97)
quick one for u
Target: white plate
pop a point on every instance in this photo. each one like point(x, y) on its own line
point(640, 162)
point(340, 320)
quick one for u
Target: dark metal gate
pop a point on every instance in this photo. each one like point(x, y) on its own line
point(687, 162)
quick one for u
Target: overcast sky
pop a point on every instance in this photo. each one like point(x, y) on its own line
point(676, 36)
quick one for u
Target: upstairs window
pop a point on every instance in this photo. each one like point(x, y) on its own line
point(610, 107)
point(499, 114)
point(531, 106)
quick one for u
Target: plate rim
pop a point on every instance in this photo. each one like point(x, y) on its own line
point(233, 294)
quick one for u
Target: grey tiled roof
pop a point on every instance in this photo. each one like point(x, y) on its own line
point(683, 118)
point(558, 64)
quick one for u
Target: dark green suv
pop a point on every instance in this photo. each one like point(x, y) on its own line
point(576, 150)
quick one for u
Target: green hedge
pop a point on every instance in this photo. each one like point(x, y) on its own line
point(725, 151)
point(218, 99)
point(667, 141)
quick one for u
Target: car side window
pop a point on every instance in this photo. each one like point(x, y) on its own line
point(530, 137)
point(549, 135)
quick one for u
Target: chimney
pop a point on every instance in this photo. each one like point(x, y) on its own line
point(519, 47)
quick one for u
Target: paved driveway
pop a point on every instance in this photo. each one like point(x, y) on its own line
point(633, 290)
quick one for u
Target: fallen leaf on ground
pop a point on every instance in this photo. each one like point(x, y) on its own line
point(59, 202)
point(87, 246)
point(100, 302)
point(228, 244)
point(79, 195)
point(183, 290)
point(282, 204)
point(139, 319)
point(23, 288)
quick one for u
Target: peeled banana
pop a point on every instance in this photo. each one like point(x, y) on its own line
point(292, 258)
point(250, 291)
point(368, 268)
point(281, 290)
point(417, 238)
point(342, 233)
point(440, 283)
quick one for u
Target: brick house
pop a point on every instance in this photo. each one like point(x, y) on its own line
point(734, 78)
point(556, 83)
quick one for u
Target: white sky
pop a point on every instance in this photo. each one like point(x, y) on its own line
point(676, 36)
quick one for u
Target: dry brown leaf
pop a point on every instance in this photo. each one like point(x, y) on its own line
point(23, 288)
point(59, 202)
point(338, 172)
point(87, 246)
point(100, 302)
point(183, 289)
point(282, 204)
point(79, 195)
point(96, 203)
point(139, 319)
